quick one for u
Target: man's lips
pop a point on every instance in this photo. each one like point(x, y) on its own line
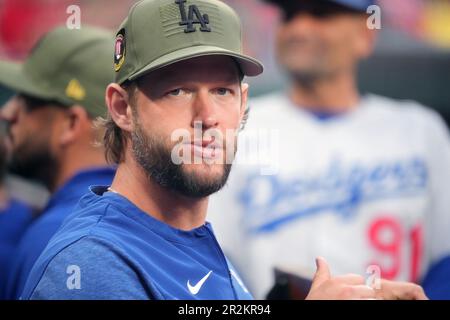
point(204, 143)
point(206, 149)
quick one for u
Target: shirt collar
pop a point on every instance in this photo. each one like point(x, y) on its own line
point(129, 209)
point(79, 184)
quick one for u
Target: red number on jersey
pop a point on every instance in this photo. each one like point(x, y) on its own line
point(387, 237)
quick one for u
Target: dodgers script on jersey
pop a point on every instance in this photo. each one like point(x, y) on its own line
point(365, 190)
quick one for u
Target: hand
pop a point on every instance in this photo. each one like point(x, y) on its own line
point(325, 287)
point(353, 287)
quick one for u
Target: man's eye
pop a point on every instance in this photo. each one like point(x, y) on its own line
point(176, 92)
point(223, 91)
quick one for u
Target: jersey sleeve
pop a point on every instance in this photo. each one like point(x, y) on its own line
point(89, 269)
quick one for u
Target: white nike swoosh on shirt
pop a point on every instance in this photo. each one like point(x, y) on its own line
point(195, 289)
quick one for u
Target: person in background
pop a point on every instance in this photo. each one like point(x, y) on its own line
point(361, 180)
point(15, 216)
point(59, 94)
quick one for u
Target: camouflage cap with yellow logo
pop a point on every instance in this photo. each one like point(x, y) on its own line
point(157, 33)
point(66, 66)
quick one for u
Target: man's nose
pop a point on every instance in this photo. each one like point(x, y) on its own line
point(205, 111)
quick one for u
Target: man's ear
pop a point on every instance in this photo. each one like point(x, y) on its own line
point(244, 106)
point(244, 99)
point(119, 108)
point(74, 124)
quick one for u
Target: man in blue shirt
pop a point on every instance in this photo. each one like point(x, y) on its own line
point(60, 92)
point(175, 108)
point(15, 216)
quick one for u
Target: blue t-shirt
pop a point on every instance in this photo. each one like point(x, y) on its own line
point(43, 228)
point(14, 220)
point(110, 249)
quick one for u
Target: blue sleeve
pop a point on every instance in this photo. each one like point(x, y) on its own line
point(437, 281)
point(28, 251)
point(89, 269)
point(13, 223)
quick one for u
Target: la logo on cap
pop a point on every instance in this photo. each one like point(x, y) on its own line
point(119, 50)
point(189, 20)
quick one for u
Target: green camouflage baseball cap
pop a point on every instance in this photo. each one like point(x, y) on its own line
point(66, 66)
point(158, 33)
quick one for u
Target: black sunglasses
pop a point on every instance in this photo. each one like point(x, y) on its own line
point(32, 103)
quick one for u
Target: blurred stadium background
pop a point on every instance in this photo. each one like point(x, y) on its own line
point(412, 59)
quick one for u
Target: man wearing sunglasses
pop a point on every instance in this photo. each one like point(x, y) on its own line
point(362, 179)
point(59, 93)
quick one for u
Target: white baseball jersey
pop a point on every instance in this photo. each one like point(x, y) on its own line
point(367, 189)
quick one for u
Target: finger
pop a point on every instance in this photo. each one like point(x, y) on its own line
point(419, 294)
point(401, 291)
point(351, 279)
point(411, 291)
point(322, 274)
point(361, 292)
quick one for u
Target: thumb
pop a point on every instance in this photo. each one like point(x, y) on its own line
point(322, 274)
